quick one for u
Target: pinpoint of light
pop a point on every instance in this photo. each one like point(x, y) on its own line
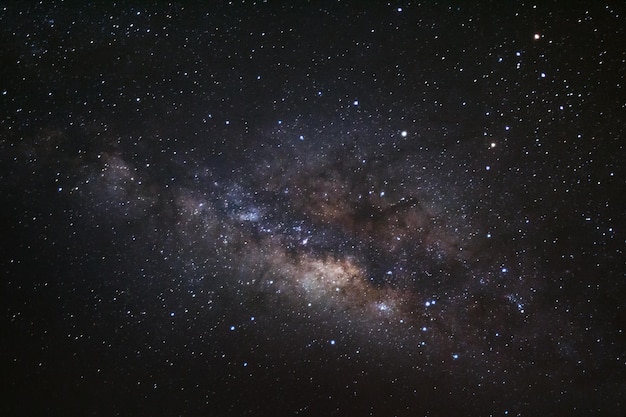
point(232, 328)
point(493, 144)
point(404, 133)
point(333, 342)
point(455, 356)
point(537, 36)
point(355, 102)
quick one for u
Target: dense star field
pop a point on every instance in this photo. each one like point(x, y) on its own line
point(322, 209)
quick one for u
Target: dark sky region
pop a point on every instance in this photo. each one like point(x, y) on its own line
point(322, 208)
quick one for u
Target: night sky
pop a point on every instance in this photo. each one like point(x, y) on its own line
point(313, 209)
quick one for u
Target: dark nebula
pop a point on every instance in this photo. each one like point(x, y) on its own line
point(331, 209)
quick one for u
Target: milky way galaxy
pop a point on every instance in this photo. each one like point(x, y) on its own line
point(260, 210)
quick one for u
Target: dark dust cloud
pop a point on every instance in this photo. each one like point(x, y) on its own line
point(329, 209)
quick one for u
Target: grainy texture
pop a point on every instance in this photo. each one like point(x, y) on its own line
point(323, 209)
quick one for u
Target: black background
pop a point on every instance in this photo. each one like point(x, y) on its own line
point(173, 174)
